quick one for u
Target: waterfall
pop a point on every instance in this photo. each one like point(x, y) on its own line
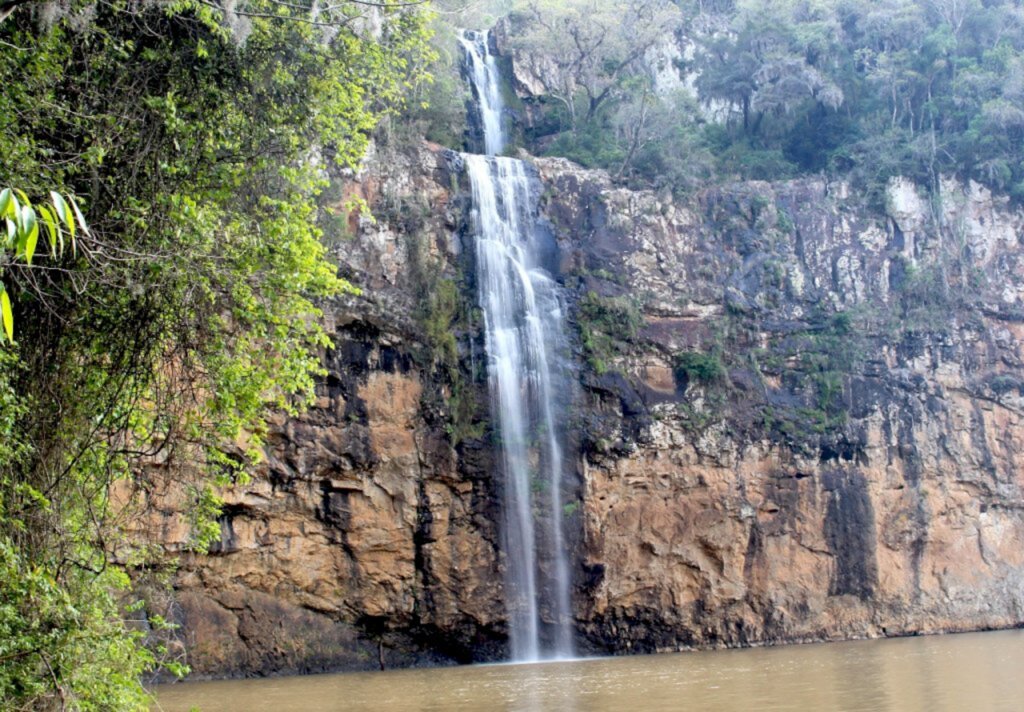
point(483, 73)
point(529, 376)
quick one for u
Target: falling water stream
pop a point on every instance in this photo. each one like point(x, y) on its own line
point(483, 73)
point(528, 373)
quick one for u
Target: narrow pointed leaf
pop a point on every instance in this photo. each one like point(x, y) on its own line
point(63, 211)
point(22, 231)
point(13, 208)
point(69, 219)
point(6, 314)
point(52, 227)
point(78, 214)
point(6, 196)
point(24, 198)
point(31, 239)
point(29, 233)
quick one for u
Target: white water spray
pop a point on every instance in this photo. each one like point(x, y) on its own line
point(483, 73)
point(529, 376)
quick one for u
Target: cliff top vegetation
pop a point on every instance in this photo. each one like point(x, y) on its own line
point(674, 93)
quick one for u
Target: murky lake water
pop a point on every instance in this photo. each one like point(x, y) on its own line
point(959, 673)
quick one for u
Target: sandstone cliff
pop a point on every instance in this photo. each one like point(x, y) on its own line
point(814, 430)
point(369, 535)
point(800, 418)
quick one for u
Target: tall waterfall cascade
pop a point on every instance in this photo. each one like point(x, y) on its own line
point(483, 73)
point(529, 374)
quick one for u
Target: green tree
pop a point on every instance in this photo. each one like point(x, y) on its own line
point(765, 66)
point(196, 137)
point(591, 48)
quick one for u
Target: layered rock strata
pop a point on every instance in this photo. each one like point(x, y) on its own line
point(815, 430)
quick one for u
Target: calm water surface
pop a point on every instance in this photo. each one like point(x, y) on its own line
point(974, 672)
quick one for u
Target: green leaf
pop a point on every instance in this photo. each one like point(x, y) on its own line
point(6, 196)
point(13, 208)
point(31, 240)
point(6, 314)
point(63, 211)
point(78, 214)
point(12, 232)
point(20, 223)
point(29, 233)
point(52, 227)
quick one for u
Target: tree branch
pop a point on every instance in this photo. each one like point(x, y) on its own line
point(6, 8)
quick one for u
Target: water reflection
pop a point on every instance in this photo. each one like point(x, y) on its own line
point(949, 673)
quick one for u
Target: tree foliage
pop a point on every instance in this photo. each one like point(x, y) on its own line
point(857, 87)
point(24, 223)
point(196, 138)
point(595, 60)
point(592, 48)
point(875, 89)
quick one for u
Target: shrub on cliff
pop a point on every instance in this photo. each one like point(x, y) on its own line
point(697, 367)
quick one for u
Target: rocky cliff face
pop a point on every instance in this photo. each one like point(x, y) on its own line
point(813, 429)
point(800, 418)
point(369, 536)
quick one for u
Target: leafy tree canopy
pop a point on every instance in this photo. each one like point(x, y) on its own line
point(857, 87)
point(195, 136)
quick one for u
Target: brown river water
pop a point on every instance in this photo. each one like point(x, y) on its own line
point(974, 672)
